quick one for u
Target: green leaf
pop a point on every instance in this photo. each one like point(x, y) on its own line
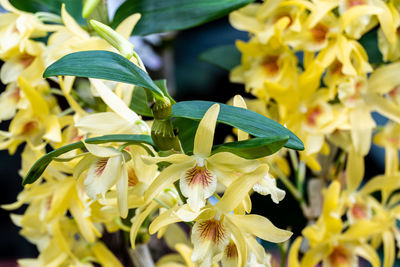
point(139, 102)
point(74, 7)
point(253, 148)
point(102, 65)
point(225, 56)
point(40, 166)
point(243, 119)
point(186, 131)
point(164, 16)
point(370, 43)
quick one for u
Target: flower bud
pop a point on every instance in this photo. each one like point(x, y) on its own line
point(113, 38)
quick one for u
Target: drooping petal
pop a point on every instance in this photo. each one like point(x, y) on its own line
point(354, 170)
point(102, 152)
point(389, 249)
point(122, 189)
point(165, 178)
point(139, 219)
point(238, 190)
point(267, 186)
point(114, 102)
point(226, 161)
point(104, 123)
point(125, 28)
point(369, 253)
point(105, 256)
point(238, 101)
point(72, 25)
point(204, 138)
point(315, 255)
point(260, 227)
point(293, 258)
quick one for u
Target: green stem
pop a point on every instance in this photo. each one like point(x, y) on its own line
point(162, 203)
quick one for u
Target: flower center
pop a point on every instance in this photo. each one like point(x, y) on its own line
point(132, 177)
point(339, 256)
point(212, 230)
point(358, 211)
point(319, 32)
point(198, 176)
point(231, 251)
point(270, 64)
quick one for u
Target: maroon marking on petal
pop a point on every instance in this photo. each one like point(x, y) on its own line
point(198, 175)
point(212, 230)
point(132, 177)
point(101, 165)
point(29, 128)
point(231, 251)
point(352, 3)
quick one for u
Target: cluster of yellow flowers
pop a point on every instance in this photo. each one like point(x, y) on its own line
point(119, 187)
point(305, 64)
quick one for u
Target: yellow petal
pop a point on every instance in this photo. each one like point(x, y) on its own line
point(240, 243)
point(260, 227)
point(384, 106)
point(102, 152)
point(72, 25)
point(389, 249)
point(122, 188)
point(85, 226)
point(139, 219)
point(225, 161)
point(315, 255)
point(174, 159)
point(166, 218)
point(356, 12)
point(176, 235)
point(385, 78)
point(114, 102)
point(238, 101)
point(105, 123)
point(39, 105)
point(60, 200)
point(125, 28)
point(293, 258)
point(354, 170)
point(361, 132)
point(53, 129)
point(165, 178)
point(369, 253)
point(204, 138)
point(238, 190)
point(105, 257)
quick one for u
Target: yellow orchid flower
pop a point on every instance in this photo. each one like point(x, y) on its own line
point(213, 232)
point(20, 26)
point(200, 172)
point(327, 242)
point(33, 124)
